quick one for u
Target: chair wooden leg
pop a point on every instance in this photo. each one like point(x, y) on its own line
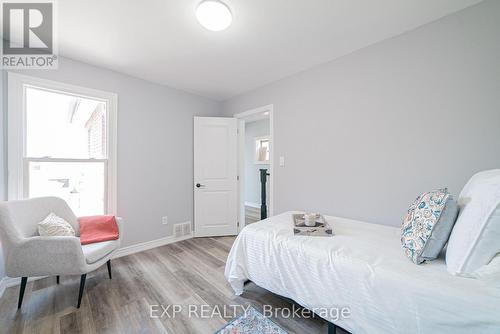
point(24, 280)
point(57, 279)
point(82, 286)
point(109, 268)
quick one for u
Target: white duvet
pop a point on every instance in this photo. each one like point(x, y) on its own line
point(363, 268)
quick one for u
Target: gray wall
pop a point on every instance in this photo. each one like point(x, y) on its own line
point(365, 134)
point(252, 173)
point(155, 146)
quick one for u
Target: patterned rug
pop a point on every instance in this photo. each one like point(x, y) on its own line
point(251, 322)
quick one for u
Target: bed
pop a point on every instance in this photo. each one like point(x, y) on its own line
point(363, 268)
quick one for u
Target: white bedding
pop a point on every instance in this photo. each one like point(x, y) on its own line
point(364, 268)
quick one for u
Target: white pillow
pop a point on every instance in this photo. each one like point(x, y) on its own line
point(54, 225)
point(489, 273)
point(474, 241)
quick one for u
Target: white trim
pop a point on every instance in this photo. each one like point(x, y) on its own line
point(144, 246)
point(15, 135)
point(112, 151)
point(16, 131)
point(255, 111)
point(65, 160)
point(8, 282)
point(241, 174)
point(254, 114)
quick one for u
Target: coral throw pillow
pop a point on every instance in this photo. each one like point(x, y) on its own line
point(97, 229)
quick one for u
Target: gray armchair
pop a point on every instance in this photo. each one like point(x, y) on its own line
point(28, 254)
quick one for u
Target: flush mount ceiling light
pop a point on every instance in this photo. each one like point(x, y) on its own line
point(214, 15)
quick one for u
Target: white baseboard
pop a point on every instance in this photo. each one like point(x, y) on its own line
point(143, 246)
point(7, 282)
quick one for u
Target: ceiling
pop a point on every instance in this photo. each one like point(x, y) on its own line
point(161, 41)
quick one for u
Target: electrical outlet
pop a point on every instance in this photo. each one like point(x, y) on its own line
point(164, 220)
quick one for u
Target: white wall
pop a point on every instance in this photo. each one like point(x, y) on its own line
point(365, 134)
point(155, 146)
point(252, 173)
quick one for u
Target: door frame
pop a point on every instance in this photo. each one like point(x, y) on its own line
point(254, 114)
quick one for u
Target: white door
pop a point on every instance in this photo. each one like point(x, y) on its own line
point(215, 176)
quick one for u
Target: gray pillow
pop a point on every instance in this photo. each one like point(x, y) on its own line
point(428, 224)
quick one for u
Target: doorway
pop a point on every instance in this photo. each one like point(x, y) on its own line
point(222, 161)
point(255, 164)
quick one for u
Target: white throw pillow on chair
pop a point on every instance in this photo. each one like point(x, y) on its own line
point(53, 226)
point(474, 241)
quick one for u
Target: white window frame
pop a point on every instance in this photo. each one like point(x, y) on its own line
point(16, 136)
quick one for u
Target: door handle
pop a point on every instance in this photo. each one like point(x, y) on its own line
point(198, 185)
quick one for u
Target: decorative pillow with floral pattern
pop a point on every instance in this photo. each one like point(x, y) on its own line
point(428, 224)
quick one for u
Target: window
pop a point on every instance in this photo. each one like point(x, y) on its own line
point(61, 143)
point(262, 150)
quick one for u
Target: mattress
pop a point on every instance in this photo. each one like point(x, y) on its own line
point(364, 269)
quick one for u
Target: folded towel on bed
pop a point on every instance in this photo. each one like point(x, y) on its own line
point(97, 229)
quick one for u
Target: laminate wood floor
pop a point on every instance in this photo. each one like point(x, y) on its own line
point(189, 272)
